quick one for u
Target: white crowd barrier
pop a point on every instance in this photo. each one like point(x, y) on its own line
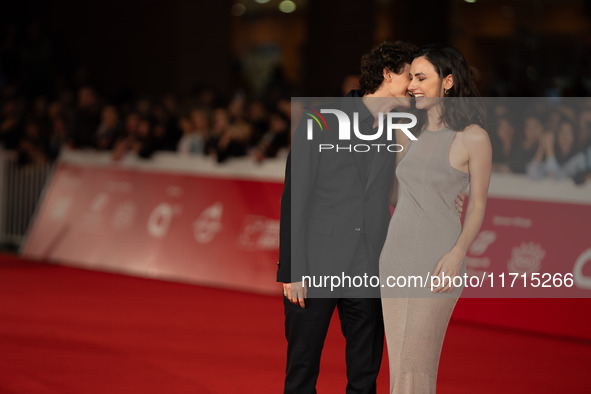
point(21, 186)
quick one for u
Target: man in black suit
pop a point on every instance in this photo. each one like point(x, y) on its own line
point(334, 220)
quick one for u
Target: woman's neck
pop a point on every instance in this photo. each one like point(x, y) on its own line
point(434, 121)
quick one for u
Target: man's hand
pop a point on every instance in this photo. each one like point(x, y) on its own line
point(460, 203)
point(295, 292)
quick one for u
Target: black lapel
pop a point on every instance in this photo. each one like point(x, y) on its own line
point(352, 103)
point(380, 158)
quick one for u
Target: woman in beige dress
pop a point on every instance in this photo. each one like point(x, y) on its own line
point(425, 236)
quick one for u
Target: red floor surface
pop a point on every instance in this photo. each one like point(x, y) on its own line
point(66, 330)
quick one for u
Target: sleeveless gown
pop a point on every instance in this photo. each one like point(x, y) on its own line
point(424, 227)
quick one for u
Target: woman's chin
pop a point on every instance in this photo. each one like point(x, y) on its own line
point(421, 103)
point(425, 102)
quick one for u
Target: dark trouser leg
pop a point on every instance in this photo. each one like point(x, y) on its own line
point(305, 330)
point(363, 327)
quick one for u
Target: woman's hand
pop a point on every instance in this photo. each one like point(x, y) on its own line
point(460, 203)
point(449, 266)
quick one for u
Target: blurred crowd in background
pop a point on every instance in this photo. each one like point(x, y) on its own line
point(204, 124)
point(546, 140)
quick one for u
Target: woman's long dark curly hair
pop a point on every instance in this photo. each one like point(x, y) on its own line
point(457, 114)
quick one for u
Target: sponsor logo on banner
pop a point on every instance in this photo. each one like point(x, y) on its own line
point(160, 219)
point(209, 223)
point(60, 209)
point(259, 233)
point(100, 201)
point(481, 243)
point(526, 258)
point(94, 218)
point(581, 280)
point(515, 222)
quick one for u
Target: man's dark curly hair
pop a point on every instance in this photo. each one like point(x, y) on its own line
point(390, 55)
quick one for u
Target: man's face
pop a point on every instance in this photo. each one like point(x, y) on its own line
point(397, 84)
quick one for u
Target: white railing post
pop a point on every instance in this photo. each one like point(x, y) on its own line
point(21, 188)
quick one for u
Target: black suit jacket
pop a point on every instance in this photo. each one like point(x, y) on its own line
point(331, 198)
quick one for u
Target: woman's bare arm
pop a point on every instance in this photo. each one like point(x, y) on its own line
point(477, 144)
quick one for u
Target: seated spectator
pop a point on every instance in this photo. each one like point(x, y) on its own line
point(166, 130)
point(585, 144)
point(275, 139)
point(86, 119)
point(228, 138)
point(58, 137)
point(195, 131)
point(234, 141)
point(257, 116)
point(284, 106)
point(158, 140)
point(556, 156)
point(237, 108)
point(143, 143)
point(136, 138)
point(585, 127)
point(32, 147)
point(173, 132)
point(220, 122)
point(502, 144)
point(526, 144)
point(109, 129)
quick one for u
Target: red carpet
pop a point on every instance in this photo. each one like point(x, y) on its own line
point(66, 330)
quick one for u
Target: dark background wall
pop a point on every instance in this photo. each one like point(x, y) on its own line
point(148, 46)
point(338, 37)
point(528, 47)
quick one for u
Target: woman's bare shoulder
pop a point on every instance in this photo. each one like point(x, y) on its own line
point(474, 135)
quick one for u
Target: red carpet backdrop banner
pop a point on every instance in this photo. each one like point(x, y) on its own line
point(209, 230)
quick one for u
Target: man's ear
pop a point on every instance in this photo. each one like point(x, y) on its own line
point(387, 74)
point(448, 82)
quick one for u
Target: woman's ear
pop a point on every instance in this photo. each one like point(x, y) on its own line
point(448, 82)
